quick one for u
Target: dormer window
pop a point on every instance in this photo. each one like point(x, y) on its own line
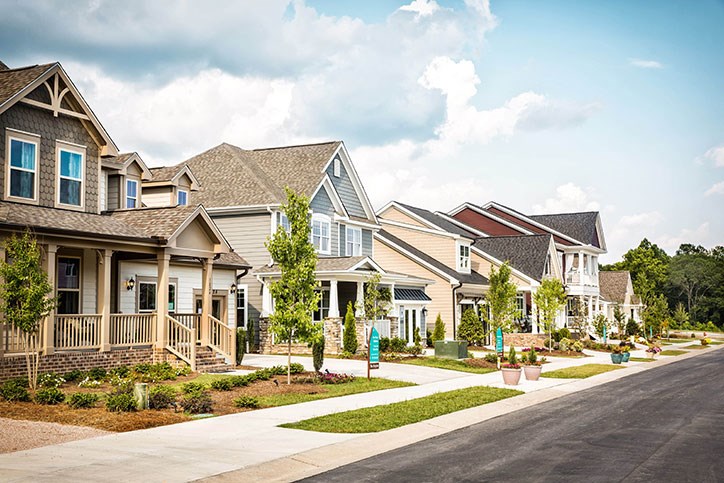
point(463, 258)
point(22, 172)
point(131, 193)
point(182, 198)
point(70, 175)
point(337, 168)
point(321, 233)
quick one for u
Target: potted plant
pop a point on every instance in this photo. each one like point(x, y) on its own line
point(533, 367)
point(511, 370)
point(652, 351)
point(617, 354)
point(625, 351)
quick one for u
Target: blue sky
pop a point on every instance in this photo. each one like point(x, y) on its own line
point(613, 106)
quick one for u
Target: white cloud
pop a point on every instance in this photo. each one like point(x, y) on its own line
point(423, 8)
point(569, 197)
point(716, 189)
point(646, 64)
point(628, 230)
point(696, 236)
point(716, 154)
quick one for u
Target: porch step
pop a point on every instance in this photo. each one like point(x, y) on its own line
point(209, 361)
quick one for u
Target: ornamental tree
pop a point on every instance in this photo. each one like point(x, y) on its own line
point(500, 299)
point(349, 339)
point(439, 332)
point(471, 328)
point(295, 295)
point(549, 299)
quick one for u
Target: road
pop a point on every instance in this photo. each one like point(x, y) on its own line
point(665, 424)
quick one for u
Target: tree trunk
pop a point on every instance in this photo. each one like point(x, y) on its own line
point(289, 361)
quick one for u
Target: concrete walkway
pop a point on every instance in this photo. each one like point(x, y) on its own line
point(214, 446)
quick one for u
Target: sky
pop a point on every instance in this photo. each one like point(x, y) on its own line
point(547, 107)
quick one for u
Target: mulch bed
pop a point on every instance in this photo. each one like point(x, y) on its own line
point(560, 353)
point(480, 363)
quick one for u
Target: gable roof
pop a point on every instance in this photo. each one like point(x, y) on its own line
point(580, 226)
point(435, 220)
point(3, 66)
point(613, 285)
point(123, 160)
point(171, 174)
point(525, 253)
point(473, 277)
point(13, 81)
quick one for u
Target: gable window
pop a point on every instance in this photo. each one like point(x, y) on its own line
point(182, 198)
point(321, 233)
point(463, 258)
point(337, 167)
point(23, 167)
point(131, 193)
point(70, 176)
point(68, 285)
point(354, 242)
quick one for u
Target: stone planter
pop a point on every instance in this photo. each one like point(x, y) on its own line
point(616, 358)
point(532, 373)
point(511, 377)
point(626, 356)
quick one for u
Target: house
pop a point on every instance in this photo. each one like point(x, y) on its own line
point(578, 240)
point(105, 250)
point(243, 191)
point(460, 258)
point(617, 292)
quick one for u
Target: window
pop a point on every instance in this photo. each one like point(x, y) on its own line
point(241, 306)
point(547, 269)
point(172, 297)
point(337, 168)
point(182, 198)
point(520, 306)
point(131, 193)
point(354, 242)
point(321, 227)
point(322, 311)
point(23, 168)
point(68, 285)
point(283, 221)
point(70, 179)
point(146, 296)
point(463, 258)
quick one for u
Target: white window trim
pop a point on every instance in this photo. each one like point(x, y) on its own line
point(135, 198)
point(178, 192)
point(25, 138)
point(78, 290)
point(461, 267)
point(349, 229)
point(71, 148)
point(322, 218)
point(337, 170)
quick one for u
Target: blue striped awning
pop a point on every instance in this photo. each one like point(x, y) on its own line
point(411, 294)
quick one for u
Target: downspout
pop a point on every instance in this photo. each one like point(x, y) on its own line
point(454, 306)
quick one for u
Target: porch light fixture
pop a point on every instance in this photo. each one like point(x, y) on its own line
point(232, 289)
point(424, 311)
point(130, 283)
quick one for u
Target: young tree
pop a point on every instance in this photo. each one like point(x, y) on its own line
point(579, 322)
point(501, 299)
point(24, 296)
point(471, 328)
point(349, 339)
point(439, 332)
point(680, 317)
point(620, 317)
point(600, 322)
point(294, 293)
point(549, 299)
point(377, 300)
point(655, 314)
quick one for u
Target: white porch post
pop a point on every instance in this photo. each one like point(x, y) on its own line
point(580, 268)
point(162, 297)
point(333, 299)
point(49, 335)
point(103, 298)
point(533, 315)
point(206, 280)
point(590, 308)
point(359, 309)
point(266, 299)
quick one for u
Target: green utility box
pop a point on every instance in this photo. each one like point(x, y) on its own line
point(451, 349)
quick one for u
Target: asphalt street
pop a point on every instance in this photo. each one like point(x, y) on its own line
point(664, 424)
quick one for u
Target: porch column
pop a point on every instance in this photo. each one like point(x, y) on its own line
point(533, 312)
point(103, 298)
point(359, 305)
point(590, 308)
point(206, 274)
point(266, 299)
point(49, 332)
point(333, 299)
point(580, 268)
point(162, 298)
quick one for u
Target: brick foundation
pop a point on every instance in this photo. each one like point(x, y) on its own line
point(61, 362)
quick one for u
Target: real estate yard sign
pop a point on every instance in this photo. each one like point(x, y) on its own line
point(499, 345)
point(373, 354)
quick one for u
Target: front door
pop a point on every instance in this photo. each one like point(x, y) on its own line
point(217, 303)
point(410, 322)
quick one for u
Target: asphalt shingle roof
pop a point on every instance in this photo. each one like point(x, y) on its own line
point(526, 253)
point(165, 173)
point(613, 285)
point(325, 264)
point(472, 278)
point(579, 226)
point(439, 221)
point(13, 81)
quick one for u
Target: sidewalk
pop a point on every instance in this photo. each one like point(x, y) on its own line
point(208, 447)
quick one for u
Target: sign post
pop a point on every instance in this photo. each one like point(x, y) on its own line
point(499, 344)
point(373, 354)
point(605, 335)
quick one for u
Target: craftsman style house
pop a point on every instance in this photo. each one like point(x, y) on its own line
point(243, 191)
point(136, 280)
point(617, 292)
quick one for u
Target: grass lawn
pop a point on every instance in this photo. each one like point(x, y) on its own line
point(581, 372)
point(642, 359)
point(672, 352)
point(332, 390)
point(441, 363)
point(716, 342)
point(381, 418)
point(695, 346)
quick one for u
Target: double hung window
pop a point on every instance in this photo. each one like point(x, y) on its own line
point(354, 242)
point(321, 233)
point(23, 168)
point(70, 176)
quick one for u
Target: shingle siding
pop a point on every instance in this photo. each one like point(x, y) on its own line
point(346, 191)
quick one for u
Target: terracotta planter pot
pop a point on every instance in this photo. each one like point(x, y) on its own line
point(532, 373)
point(626, 356)
point(616, 358)
point(511, 377)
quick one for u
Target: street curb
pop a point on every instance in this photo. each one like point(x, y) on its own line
point(325, 458)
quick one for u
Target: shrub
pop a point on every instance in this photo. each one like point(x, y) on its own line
point(439, 332)
point(83, 400)
point(491, 357)
point(50, 379)
point(346, 355)
point(120, 371)
point(471, 328)
point(240, 345)
point(565, 344)
point(183, 370)
point(335, 378)
point(120, 402)
point(632, 328)
point(384, 344)
point(578, 346)
point(318, 354)
point(88, 382)
point(349, 339)
point(532, 356)
point(49, 395)
point(397, 344)
point(711, 327)
point(416, 339)
point(197, 402)
point(190, 387)
point(15, 390)
point(430, 341)
point(705, 341)
point(414, 350)
point(512, 358)
point(97, 374)
point(73, 376)
point(563, 333)
point(239, 381)
point(161, 397)
point(145, 372)
point(247, 402)
point(221, 384)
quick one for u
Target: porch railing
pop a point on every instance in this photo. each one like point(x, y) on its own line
point(221, 337)
point(129, 330)
point(74, 332)
point(382, 326)
point(11, 339)
point(192, 321)
point(181, 341)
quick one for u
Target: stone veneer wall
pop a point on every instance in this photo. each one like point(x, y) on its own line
point(523, 340)
point(61, 362)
